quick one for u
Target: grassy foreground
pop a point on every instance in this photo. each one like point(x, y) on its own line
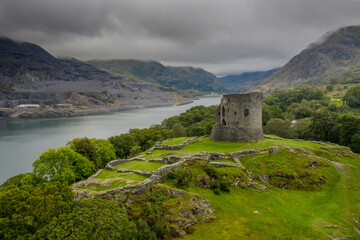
point(331, 211)
point(313, 190)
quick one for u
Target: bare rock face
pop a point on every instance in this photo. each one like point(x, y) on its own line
point(239, 118)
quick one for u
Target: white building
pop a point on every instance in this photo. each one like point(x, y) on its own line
point(29, 106)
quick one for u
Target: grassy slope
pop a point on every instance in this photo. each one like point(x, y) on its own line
point(208, 145)
point(140, 165)
point(176, 141)
point(330, 209)
point(286, 214)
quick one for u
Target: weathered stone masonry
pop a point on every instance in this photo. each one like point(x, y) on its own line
point(239, 118)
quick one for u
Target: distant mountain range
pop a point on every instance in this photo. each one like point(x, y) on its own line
point(336, 55)
point(244, 81)
point(29, 74)
point(182, 78)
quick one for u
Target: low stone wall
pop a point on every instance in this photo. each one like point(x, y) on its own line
point(110, 165)
point(96, 182)
point(154, 178)
point(250, 152)
point(96, 174)
point(159, 145)
point(144, 173)
point(223, 164)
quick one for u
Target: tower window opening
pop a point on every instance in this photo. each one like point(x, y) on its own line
point(246, 112)
point(223, 122)
point(223, 111)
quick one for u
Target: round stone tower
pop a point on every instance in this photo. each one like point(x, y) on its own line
point(239, 118)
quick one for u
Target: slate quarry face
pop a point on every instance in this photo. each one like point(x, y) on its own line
point(239, 118)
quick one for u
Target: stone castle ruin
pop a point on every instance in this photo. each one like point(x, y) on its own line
point(239, 118)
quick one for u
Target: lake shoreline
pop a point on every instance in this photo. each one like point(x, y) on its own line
point(22, 140)
point(78, 112)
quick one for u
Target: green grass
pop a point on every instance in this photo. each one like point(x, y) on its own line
point(284, 214)
point(108, 174)
point(176, 141)
point(223, 160)
point(116, 184)
point(338, 104)
point(332, 209)
point(140, 165)
point(206, 144)
point(229, 170)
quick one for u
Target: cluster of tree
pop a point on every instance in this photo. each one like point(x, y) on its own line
point(196, 121)
point(30, 210)
point(352, 96)
point(316, 117)
point(80, 159)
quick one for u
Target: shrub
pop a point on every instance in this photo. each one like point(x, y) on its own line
point(63, 165)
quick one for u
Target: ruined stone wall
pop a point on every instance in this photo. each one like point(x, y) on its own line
point(239, 118)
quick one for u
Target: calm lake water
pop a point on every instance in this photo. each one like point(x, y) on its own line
point(23, 140)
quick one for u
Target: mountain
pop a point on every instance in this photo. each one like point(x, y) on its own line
point(244, 81)
point(336, 55)
point(29, 74)
point(183, 78)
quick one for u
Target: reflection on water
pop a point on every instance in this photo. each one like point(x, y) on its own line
point(22, 140)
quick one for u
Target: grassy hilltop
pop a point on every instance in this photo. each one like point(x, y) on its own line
point(308, 190)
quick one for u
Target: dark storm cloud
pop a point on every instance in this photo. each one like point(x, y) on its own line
point(228, 36)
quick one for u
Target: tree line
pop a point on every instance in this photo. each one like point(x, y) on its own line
point(307, 113)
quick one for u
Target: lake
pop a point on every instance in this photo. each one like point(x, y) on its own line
point(23, 140)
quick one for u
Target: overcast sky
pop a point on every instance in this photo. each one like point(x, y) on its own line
point(221, 36)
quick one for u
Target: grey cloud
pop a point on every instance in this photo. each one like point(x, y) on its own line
point(229, 36)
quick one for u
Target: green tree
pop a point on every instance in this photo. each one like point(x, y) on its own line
point(269, 112)
point(106, 151)
point(352, 96)
point(25, 210)
point(303, 112)
point(329, 88)
point(179, 130)
point(279, 127)
point(332, 107)
point(349, 124)
point(86, 147)
point(301, 128)
point(91, 219)
point(123, 144)
point(322, 125)
point(355, 143)
point(63, 165)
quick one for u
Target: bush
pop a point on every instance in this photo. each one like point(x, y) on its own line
point(183, 177)
point(106, 151)
point(352, 97)
point(63, 165)
point(87, 148)
point(279, 127)
point(91, 219)
point(355, 143)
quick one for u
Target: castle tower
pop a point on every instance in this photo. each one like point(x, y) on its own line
point(239, 118)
